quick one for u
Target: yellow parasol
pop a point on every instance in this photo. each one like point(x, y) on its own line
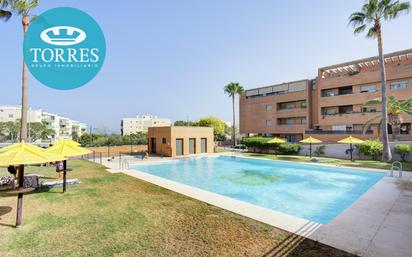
point(276, 140)
point(21, 154)
point(311, 140)
point(17, 146)
point(351, 140)
point(67, 148)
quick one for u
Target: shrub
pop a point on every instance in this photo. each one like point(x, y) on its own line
point(320, 150)
point(371, 148)
point(403, 150)
point(288, 148)
point(259, 142)
point(262, 143)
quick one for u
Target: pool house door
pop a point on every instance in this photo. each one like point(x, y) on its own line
point(153, 144)
point(179, 146)
point(203, 145)
point(192, 145)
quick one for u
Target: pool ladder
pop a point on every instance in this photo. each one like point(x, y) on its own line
point(396, 166)
point(124, 165)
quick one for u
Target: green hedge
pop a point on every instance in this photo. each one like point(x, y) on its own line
point(371, 148)
point(262, 144)
point(403, 150)
point(289, 148)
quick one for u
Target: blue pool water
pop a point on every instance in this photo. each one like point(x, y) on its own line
point(315, 193)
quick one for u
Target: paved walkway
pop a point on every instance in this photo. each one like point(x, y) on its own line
point(378, 224)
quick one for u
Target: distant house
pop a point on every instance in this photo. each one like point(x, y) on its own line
point(64, 128)
point(141, 123)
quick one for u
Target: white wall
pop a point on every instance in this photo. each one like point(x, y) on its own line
point(338, 151)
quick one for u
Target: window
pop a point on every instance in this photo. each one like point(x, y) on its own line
point(313, 84)
point(268, 107)
point(345, 90)
point(303, 104)
point(330, 110)
point(268, 122)
point(368, 88)
point(339, 127)
point(303, 120)
point(329, 92)
point(164, 141)
point(368, 109)
point(345, 109)
point(400, 84)
point(289, 121)
point(10, 115)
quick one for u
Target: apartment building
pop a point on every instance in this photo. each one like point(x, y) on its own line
point(278, 110)
point(64, 128)
point(141, 123)
point(331, 106)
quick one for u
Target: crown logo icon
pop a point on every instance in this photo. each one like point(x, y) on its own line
point(63, 35)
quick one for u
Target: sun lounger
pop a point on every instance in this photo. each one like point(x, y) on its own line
point(52, 184)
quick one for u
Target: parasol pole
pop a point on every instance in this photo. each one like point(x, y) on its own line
point(64, 175)
point(310, 150)
point(20, 197)
point(351, 150)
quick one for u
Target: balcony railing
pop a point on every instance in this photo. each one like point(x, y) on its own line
point(338, 132)
point(345, 113)
point(337, 94)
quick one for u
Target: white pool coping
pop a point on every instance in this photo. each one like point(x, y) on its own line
point(367, 228)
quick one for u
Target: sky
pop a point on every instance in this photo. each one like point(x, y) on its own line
point(173, 58)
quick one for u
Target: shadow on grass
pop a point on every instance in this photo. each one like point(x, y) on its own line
point(296, 245)
point(3, 211)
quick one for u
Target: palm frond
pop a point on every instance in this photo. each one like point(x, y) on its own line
point(5, 15)
point(396, 9)
point(359, 29)
point(357, 19)
point(373, 102)
point(372, 33)
point(368, 123)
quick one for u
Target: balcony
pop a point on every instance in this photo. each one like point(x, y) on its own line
point(343, 118)
point(348, 90)
point(337, 132)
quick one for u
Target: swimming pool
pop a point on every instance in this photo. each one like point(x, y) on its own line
point(313, 192)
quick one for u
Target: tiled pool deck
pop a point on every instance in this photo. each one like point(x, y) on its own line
point(378, 224)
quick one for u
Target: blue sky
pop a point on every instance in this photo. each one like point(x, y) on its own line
point(172, 58)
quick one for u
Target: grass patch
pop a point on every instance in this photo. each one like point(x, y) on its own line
point(357, 163)
point(117, 215)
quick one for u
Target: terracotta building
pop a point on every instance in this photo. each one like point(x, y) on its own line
point(176, 141)
point(331, 106)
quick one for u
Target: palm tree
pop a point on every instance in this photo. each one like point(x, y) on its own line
point(395, 109)
point(370, 18)
point(23, 8)
point(233, 89)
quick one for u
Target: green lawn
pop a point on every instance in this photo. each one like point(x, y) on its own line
point(117, 215)
point(334, 161)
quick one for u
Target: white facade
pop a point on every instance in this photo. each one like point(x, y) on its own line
point(64, 128)
point(141, 123)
